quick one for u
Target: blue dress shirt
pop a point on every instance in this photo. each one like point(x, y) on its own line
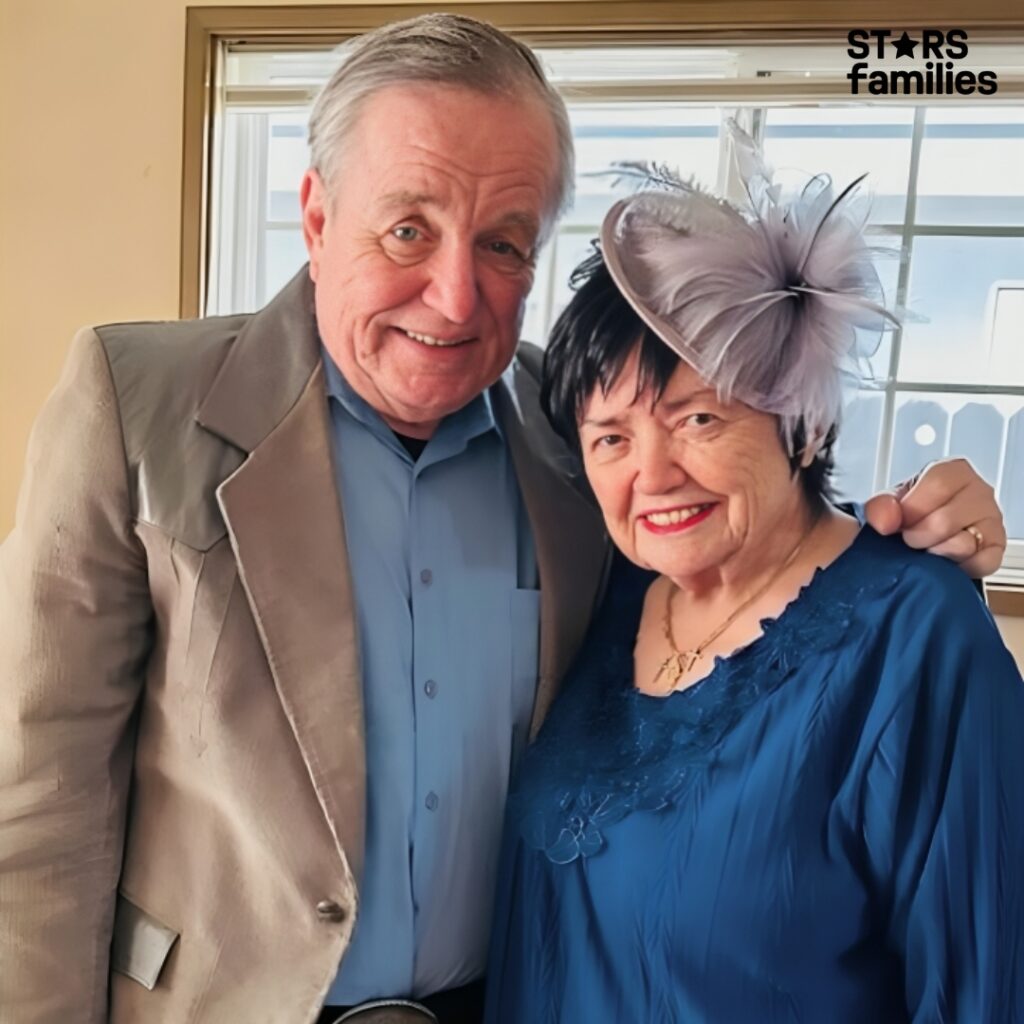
point(448, 612)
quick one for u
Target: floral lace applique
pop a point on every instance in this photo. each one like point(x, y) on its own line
point(608, 750)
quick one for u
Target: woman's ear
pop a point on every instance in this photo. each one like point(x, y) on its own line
point(811, 450)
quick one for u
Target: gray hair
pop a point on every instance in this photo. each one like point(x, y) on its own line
point(445, 49)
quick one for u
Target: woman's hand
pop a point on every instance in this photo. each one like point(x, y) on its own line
point(934, 511)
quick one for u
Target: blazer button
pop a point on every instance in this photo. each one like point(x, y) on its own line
point(328, 910)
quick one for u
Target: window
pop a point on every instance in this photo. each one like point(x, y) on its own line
point(948, 199)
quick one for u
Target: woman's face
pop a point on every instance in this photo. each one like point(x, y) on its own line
point(692, 485)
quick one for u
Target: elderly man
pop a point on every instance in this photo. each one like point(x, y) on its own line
point(288, 591)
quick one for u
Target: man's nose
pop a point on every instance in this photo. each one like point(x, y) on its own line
point(658, 469)
point(453, 289)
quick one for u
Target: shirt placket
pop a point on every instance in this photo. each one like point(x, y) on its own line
point(427, 578)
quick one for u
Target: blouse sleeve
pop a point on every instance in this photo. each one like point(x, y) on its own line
point(943, 809)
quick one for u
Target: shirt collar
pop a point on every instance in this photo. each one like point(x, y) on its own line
point(456, 430)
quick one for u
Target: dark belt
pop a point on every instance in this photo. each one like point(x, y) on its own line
point(463, 1005)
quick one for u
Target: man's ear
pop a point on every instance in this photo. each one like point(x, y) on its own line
point(313, 200)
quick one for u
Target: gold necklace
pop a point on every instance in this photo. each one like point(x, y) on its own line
point(679, 663)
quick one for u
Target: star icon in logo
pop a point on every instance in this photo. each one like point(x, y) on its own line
point(904, 46)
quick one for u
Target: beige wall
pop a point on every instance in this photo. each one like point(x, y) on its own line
point(90, 181)
point(1013, 636)
point(91, 94)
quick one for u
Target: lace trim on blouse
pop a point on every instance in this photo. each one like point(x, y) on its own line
point(614, 750)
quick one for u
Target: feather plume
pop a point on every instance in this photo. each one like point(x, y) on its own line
point(647, 175)
point(703, 212)
point(775, 303)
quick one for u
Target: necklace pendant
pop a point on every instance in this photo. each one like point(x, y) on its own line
point(676, 665)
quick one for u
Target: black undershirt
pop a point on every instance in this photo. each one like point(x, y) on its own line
point(413, 445)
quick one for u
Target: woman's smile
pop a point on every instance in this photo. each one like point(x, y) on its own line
point(675, 520)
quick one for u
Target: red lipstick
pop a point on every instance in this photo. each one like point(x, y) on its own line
point(684, 524)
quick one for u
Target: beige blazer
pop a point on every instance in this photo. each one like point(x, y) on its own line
point(181, 735)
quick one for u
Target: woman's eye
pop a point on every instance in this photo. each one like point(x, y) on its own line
point(699, 419)
point(608, 441)
point(406, 233)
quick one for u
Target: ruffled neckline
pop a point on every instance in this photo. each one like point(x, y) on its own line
point(609, 749)
point(733, 661)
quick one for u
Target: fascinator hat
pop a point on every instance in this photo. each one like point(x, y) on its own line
point(774, 302)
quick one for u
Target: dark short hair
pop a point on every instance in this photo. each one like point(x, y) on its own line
point(589, 345)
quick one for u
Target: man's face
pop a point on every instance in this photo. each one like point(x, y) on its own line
point(424, 253)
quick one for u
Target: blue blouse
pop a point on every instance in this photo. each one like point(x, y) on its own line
point(827, 828)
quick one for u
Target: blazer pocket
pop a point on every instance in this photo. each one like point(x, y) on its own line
point(141, 943)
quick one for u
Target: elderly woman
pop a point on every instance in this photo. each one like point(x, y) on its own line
point(785, 779)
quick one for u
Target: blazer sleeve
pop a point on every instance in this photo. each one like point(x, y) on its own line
point(75, 632)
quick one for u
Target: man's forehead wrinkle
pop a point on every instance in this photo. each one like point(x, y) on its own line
point(428, 159)
point(407, 197)
point(510, 159)
point(508, 188)
point(520, 218)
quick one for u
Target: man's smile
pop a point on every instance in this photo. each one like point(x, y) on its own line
point(434, 342)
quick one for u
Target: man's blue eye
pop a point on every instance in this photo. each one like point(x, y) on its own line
point(505, 249)
point(405, 233)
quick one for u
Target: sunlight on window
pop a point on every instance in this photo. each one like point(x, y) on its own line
point(946, 195)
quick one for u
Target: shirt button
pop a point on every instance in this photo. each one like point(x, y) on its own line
point(431, 801)
point(430, 688)
point(426, 576)
point(328, 910)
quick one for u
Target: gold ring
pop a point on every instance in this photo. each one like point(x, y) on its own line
point(979, 538)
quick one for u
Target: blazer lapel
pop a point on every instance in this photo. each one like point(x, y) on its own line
point(284, 519)
point(573, 551)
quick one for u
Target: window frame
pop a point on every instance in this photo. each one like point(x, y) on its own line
point(567, 23)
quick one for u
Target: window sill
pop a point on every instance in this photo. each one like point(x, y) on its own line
point(1004, 599)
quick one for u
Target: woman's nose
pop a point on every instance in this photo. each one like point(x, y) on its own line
point(658, 469)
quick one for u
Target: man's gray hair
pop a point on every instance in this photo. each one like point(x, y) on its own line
point(444, 49)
